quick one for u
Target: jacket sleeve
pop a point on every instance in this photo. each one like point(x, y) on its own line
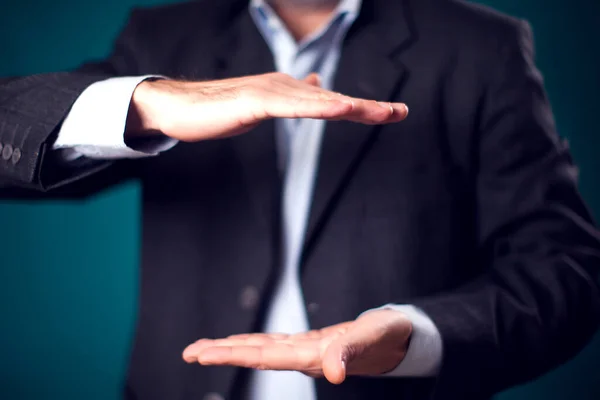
point(537, 303)
point(32, 109)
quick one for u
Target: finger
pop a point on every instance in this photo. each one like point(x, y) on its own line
point(245, 339)
point(308, 88)
point(372, 112)
point(400, 112)
point(274, 336)
point(340, 108)
point(297, 107)
point(269, 357)
point(317, 105)
point(190, 354)
point(364, 111)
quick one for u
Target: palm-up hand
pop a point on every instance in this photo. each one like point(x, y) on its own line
point(373, 344)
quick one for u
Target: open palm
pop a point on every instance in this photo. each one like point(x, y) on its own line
point(373, 344)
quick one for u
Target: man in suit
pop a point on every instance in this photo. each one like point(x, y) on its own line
point(447, 256)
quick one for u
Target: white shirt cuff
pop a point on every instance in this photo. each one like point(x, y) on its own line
point(95, 126)
point(424, 354)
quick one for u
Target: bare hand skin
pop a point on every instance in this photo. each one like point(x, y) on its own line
point(373, 344)
point(194, 111)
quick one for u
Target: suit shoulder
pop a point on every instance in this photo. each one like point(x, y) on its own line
point(464, 23)
point(202, 15)
point(461, 12)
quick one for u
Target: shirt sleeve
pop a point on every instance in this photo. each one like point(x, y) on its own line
point(95, 125)
point(424, 355)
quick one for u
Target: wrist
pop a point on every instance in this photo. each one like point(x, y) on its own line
point(143, 117)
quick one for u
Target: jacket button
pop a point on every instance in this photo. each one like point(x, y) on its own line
point(213, 396)
point(1, 145)
point(16, 155)
point(7, 152)
point(249, 298)
point(312, 308)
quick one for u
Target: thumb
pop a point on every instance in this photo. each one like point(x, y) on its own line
point(373, 341)
point(341, 352)
point(313, 79)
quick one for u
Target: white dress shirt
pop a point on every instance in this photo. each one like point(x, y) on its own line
point(95, 126)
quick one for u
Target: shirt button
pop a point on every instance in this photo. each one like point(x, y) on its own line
point(213, 396)
point(249, 298)
point(313, 308)
point(16, 155)
point(7, 152)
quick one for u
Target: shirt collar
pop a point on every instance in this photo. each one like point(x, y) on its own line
point(351, 7)
point(272, 27)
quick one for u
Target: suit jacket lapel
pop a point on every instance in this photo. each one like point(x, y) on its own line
point(369, 68)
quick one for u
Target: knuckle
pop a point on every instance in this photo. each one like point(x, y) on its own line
point(275, 78)
point(247, 91)
point(267, 78)
point(279, 75)
point(381, 114)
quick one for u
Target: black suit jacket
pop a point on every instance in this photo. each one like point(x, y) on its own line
point(469, 209)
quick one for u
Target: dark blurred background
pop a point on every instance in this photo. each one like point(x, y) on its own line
point(68, 271)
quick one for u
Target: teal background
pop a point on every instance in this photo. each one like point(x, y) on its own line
point(68, 270)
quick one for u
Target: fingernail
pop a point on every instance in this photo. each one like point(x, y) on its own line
point(343, 361)
point(398, 108)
